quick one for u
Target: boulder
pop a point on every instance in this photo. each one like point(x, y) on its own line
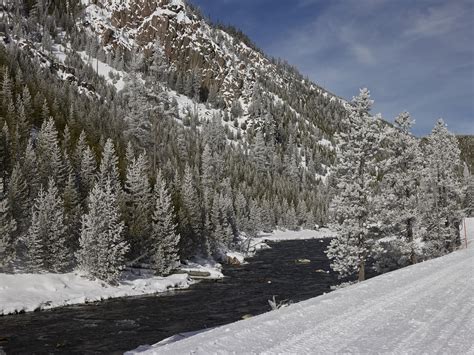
point(302, 261)
point(232, 260)
point(193, 273)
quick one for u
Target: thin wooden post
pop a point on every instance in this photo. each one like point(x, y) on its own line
point(465, 232)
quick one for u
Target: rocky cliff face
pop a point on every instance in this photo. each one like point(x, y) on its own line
point(189, 43)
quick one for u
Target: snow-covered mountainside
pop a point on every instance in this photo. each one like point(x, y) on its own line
point(190, 42)
point(230, 71)
point(423, 308)
point(175, 126)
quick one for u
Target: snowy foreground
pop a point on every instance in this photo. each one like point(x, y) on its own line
point(30, 292)
point(425, 308)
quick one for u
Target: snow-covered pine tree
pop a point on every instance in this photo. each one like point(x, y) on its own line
point(293, 167)
point(164, 236)
point(102, 245)
point(72, 212)
point(137, 214)
point(87, 172)
point(217, 232)
point(129, 154)
point(66, 143)
point(469, 197)
point(301, 212)
point(7, 229)
point(310, 220)
point(48, 153)
point(291, 219)
point(401, 198)
point(23, 127)
point(78, 151)
point(283, 214)
point(27, 101)
point(254, 221)
point(444, 189)
point(241, 211)
point(228, 208)
point(208, 177)
point(10, 118)
point(6, 88)
point(46, 239)
point(228, 223)
point(5, 157)
point(18, 199)
point(354, 209)
point(30, 170)
point(138, 117)
point(267, 217)
point(191, 221)
point(214, 135)
point(45, 113)
point(58, 240)
point(108, 168)
point(260, 154)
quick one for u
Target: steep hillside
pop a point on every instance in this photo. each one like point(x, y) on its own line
point(221, 62)
point(146, 107)
point(209, 71)
point(217, 68)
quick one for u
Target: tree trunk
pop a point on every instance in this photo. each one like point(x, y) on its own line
point(413, 259)
point(410, 239)
point(361, 270)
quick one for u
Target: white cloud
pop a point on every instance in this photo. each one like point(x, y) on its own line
point(437, 20)
point(363, 54)
point(412, 55)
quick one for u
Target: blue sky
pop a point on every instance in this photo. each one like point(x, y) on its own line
point(413, 55)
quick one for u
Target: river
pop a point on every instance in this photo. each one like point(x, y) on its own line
point(117, 325)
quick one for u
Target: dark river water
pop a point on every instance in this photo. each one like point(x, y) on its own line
point(117, 325)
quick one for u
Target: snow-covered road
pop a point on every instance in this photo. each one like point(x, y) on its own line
point(425, 308)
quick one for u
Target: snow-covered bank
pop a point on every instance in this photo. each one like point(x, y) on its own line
point(252, 245)
point(29, 292)
point(424, 308)
point(281, 235)
point(210, 268)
